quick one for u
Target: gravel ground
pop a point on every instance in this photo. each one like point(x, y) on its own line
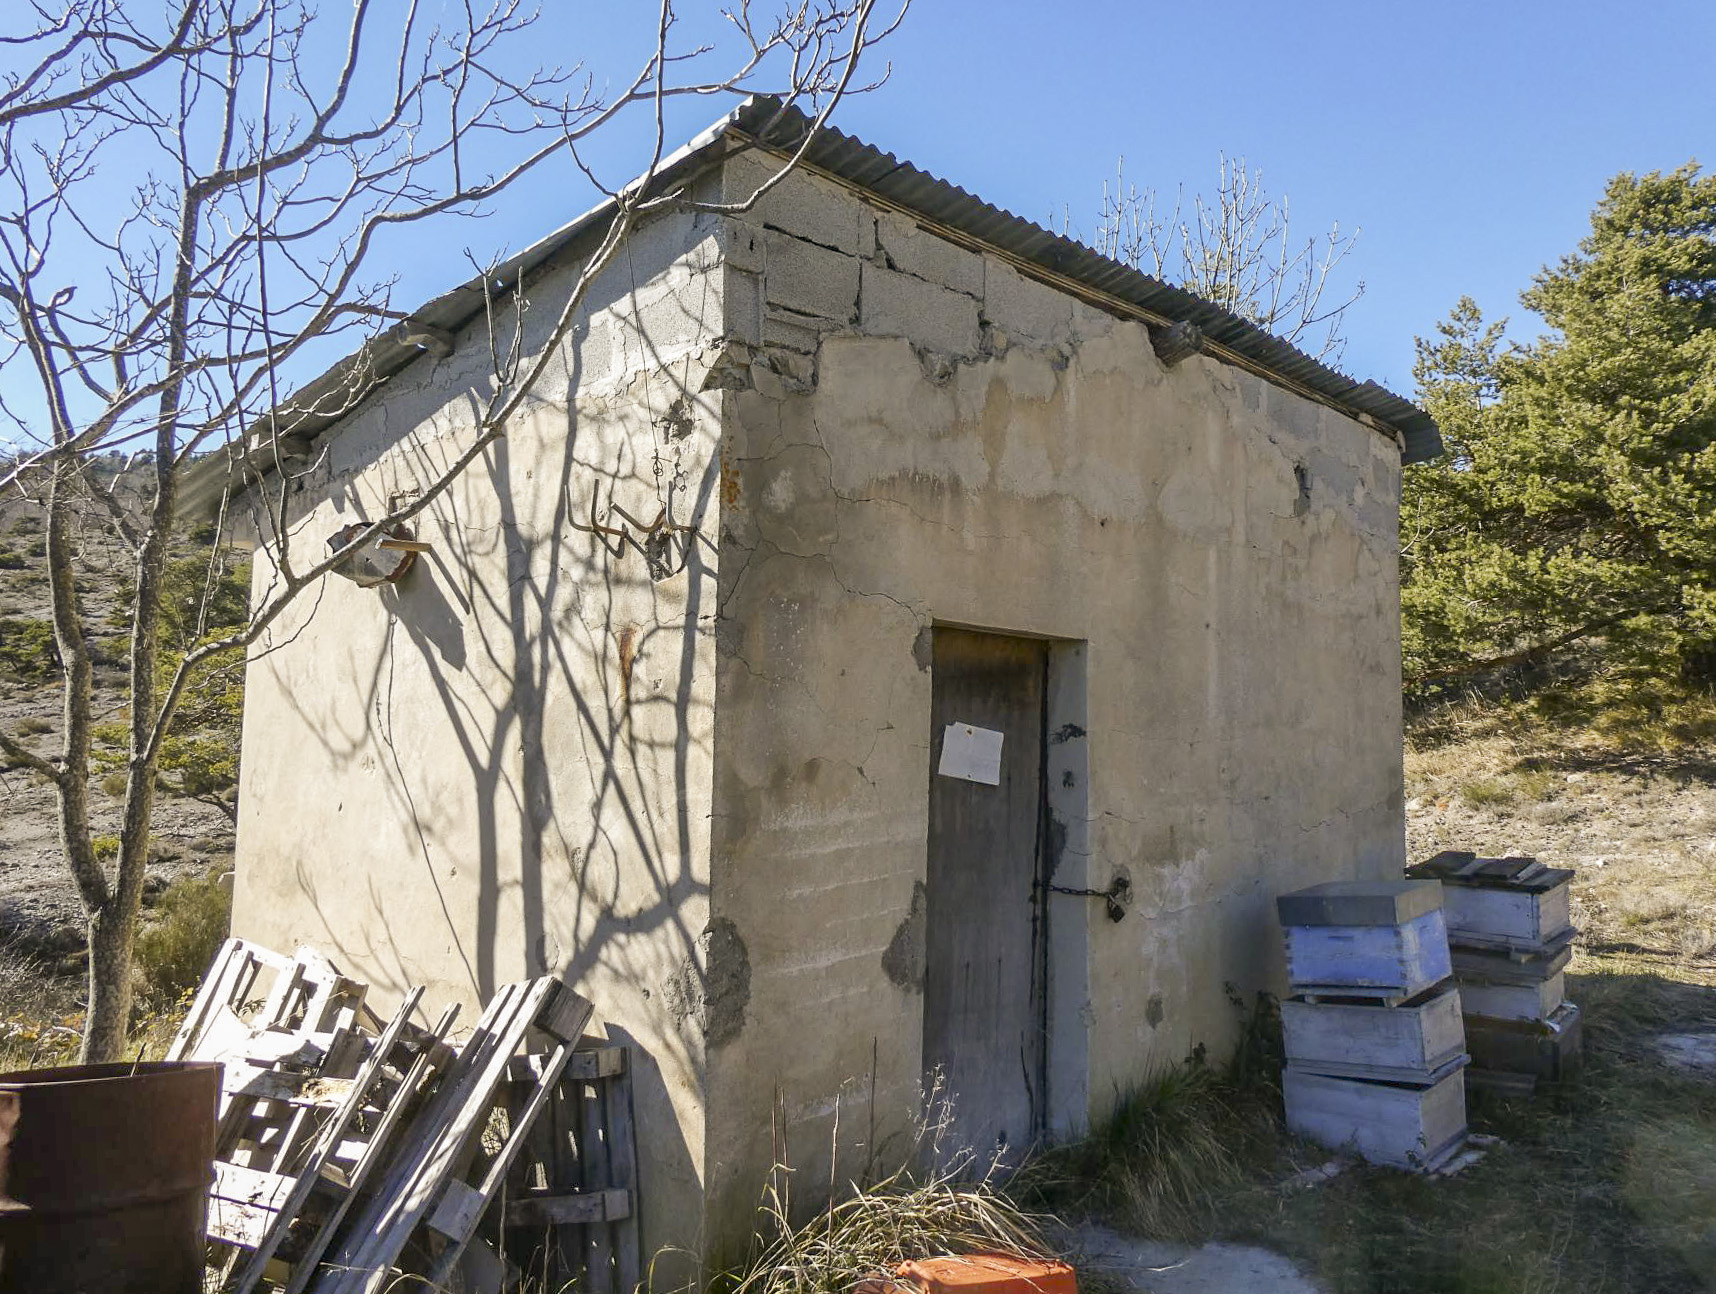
point(1154, 1267)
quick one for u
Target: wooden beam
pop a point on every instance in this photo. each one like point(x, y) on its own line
point(577, 1209)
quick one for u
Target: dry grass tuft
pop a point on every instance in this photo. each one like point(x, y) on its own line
point(875, 1229)
point(41, 1019)
point(1486, 792)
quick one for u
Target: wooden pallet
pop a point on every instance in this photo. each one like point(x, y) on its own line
point(233, 1006)
point(424, 1213)
point(571, 1208)
point(310, 1099)
point(352, 1149)
point(254, 1206)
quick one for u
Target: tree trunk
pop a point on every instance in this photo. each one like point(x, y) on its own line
point(108, 1022)
point(107, 1041)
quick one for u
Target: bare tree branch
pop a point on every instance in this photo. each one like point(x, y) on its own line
point(1236, 249)
point(28, 758)
point(192, 210)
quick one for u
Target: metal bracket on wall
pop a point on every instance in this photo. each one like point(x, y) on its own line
point(1117, 897)
point(665, 546)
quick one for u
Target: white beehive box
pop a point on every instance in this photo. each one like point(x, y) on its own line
point(1508, 903)
point(1382, 939)
point(1510, 917)
point(1513, 1001)
point(1491, 966)
point(1407, 1127)
point(1407, 1043)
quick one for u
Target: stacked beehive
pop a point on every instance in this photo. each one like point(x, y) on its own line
point(1510, 926)
point(1375, 1048)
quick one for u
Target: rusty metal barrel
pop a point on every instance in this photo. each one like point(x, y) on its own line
point(107, 1178)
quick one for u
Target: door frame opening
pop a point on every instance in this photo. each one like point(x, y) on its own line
point(1059, 1089)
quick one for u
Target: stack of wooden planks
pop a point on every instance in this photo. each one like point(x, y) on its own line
point(354, 1149)
point(1375, 1049)
point(1511, 928)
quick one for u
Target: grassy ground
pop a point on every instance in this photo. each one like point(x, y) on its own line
point(1610, 1186)
point(1607, 1186)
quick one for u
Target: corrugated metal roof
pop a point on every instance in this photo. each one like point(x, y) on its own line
point(950, 210)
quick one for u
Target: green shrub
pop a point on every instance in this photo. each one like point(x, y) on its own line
point(36, 548)
point(34, 726)
point(185, 585)
point(202, 766)
point(10, 560)
point(189, 922)
point(114, 784)
point(27, 651)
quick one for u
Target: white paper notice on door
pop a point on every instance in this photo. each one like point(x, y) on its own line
point(971, 753)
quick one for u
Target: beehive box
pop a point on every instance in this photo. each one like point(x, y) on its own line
point(1501, 902)
point(1409, 1043)
point(1407, 1127)
point(1546, 1050)
point(1495, 967)
point(1513, 1001)
point(1383, 939)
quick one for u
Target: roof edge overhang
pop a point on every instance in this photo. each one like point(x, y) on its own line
point(946, 209)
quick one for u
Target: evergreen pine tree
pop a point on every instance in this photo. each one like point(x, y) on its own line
point(1577, 502)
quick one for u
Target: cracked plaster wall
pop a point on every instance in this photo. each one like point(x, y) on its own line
point(500, 767)
point(928, 436)
point(715, 822)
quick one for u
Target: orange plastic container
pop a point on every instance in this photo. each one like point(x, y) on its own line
point(989, 1274)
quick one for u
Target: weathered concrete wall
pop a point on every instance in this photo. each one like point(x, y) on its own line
point(930, 437)
point(501, 766)
point(704, 795)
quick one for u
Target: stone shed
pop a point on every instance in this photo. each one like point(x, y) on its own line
point(893, 640)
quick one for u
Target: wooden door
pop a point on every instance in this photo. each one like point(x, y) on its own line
point(984, 1023)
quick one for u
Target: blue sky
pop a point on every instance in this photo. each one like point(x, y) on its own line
point(1467, 141)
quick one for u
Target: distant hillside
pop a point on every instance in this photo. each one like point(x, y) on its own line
point(40, 915)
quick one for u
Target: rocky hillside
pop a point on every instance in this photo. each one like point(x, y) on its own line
point(40, 916)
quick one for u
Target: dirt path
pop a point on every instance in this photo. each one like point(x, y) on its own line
point(1153, 1267)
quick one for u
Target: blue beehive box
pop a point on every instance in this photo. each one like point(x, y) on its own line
point(1385, 940)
